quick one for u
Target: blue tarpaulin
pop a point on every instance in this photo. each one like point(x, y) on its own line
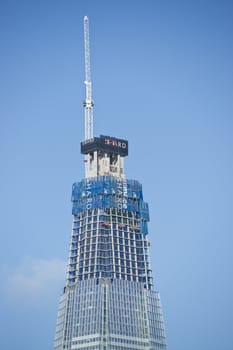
point(109, 192)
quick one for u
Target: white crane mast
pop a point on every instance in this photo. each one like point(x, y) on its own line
point(88, 102)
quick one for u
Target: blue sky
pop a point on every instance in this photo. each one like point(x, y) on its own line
point(163, 79)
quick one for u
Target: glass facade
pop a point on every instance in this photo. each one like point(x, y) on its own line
point(109, 314)
point(109, 301)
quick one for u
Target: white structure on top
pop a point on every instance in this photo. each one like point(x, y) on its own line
point(104, 155)
point(88, 102)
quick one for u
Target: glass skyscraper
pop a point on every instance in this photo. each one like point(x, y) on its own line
point(109, 302)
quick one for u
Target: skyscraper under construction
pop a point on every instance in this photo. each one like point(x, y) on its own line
point(108, 302)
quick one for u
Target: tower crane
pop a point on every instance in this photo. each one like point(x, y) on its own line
point(88, 102)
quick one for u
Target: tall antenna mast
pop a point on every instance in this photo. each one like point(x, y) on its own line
point(88, 102)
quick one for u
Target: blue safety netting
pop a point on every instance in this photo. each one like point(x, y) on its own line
point(109, 192)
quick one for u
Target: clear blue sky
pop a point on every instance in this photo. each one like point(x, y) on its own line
point(162, 78)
